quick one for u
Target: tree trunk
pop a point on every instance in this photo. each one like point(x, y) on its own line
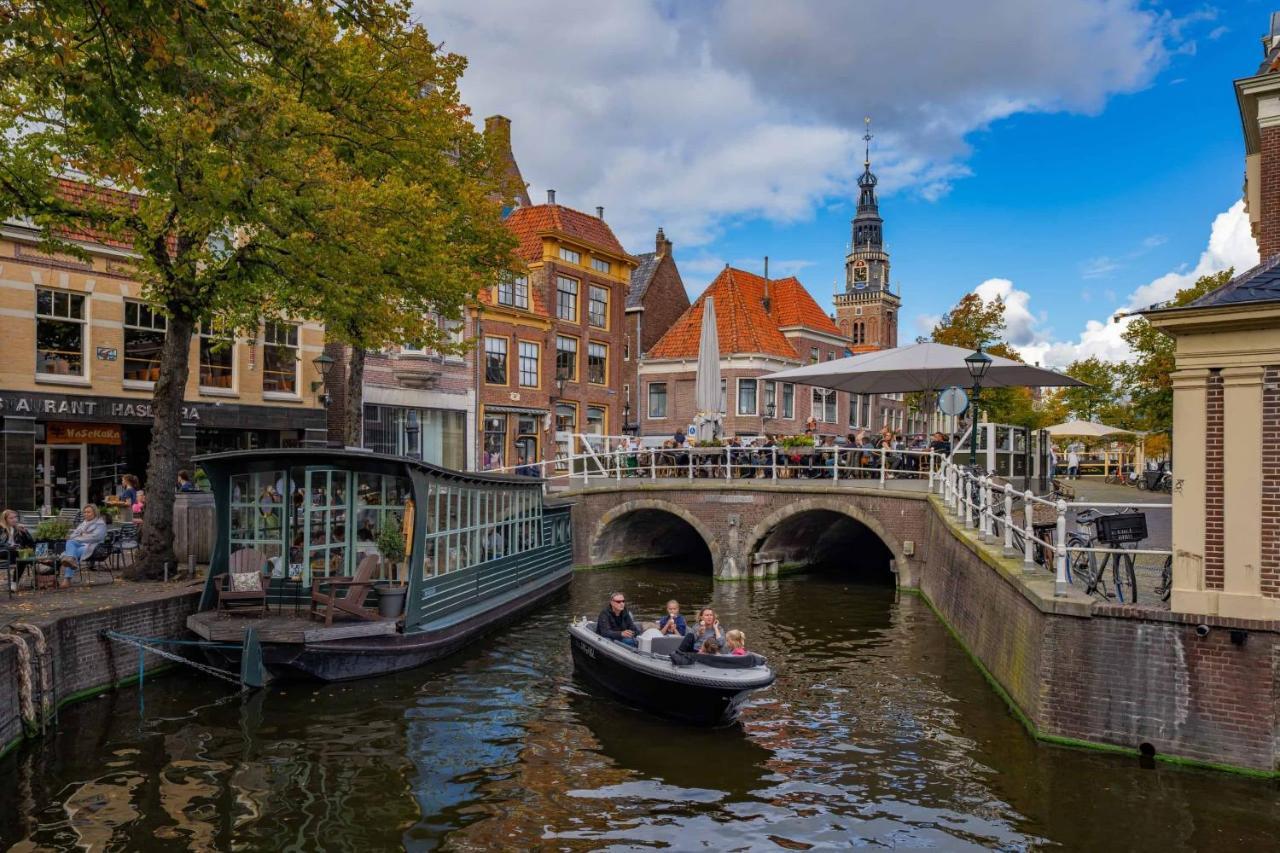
point(354, 398)
point(162, 467)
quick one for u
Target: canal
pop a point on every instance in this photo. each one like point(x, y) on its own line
point(879, 731)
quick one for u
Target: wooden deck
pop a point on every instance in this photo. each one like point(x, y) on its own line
point(284, 628)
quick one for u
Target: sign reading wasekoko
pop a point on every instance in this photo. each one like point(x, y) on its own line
point(63, 433)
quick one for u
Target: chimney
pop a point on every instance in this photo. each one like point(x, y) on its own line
point(768, 303)
point(661, 244)
point(599, 213)
point(498, 128)
point(551, 196)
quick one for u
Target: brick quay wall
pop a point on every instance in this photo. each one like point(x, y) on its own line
point(80, 662)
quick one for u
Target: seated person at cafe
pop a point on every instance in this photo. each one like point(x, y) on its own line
point(88, 534)
point(615, 622)
point(14, 537)
point(672, 622)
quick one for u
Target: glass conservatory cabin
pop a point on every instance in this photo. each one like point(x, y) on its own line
point(317, 513)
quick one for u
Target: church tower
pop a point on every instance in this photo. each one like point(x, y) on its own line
point(867, 310)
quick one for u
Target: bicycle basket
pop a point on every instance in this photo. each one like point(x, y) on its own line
point(1122, 528)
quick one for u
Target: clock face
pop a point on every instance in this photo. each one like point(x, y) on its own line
point(860, 272)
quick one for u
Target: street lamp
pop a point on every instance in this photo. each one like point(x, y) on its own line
point(561, 379)
point(323, 364)
point(628, 427)
point(412, 429)
point(977, 362)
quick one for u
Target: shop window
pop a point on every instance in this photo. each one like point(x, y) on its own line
point(566, 426)
point(601, 265)
point(567, 298)
point(217, 348)
point(788, 400)
point(144, 329)
point(747, 396)
point(529, 357)
point(258, 503)
point(597, 363)
point(595, 420)
point(598, 306)
point(566, 358)
point(60, 325)
point(495, 361)
point(570, 255)
point(280, 358)
point(526, 446)
point(495, 440)
point(657, 399)
point(513, 291)
point(381, 500)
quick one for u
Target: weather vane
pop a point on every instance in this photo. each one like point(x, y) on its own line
point(867, 137)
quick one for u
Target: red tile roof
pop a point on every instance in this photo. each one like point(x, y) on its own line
point(528, 224)
point(90, 195)
point(742, 324)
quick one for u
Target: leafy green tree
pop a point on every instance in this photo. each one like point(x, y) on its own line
point(1148, 375)
point(283, 157)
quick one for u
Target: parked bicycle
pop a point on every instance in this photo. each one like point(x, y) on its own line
point(1127, 527)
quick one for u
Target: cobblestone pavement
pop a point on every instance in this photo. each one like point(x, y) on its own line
point(45, 605)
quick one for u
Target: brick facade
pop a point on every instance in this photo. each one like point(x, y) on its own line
point(1268, 228)
point(1269, 570)
point(1214, 459)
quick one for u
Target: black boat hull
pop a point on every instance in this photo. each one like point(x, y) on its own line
point(689, 703)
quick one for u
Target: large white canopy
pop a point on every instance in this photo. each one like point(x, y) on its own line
point(1084, 429)
point(918, 367)
point(707, 384)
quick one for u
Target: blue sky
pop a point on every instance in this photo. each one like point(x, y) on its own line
point(1068, 154)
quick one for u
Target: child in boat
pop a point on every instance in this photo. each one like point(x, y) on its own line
point(710, 647)
point(673, 622)
point(735, 642)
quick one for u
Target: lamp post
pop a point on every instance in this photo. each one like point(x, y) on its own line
point(323, 364)
point(412, 429)
point(628, 428)
point(977, 362)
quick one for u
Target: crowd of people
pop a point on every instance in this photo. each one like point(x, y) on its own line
point(705, 636)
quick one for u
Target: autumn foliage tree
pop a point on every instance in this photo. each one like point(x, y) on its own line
point(281, 157)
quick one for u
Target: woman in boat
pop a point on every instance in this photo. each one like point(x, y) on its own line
point(707, 626)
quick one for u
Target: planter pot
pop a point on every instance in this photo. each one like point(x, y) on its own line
point(391, 600)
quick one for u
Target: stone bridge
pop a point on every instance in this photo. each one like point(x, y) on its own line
point(743, 529)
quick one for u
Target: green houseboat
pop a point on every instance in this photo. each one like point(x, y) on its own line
point(350, 564)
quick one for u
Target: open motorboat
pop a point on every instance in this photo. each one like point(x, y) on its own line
point(703, 689)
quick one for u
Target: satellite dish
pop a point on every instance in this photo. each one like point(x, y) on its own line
point(953, 401)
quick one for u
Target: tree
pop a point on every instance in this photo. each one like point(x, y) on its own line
point(283, 158)
point(1148, 375)
point(1101, 395)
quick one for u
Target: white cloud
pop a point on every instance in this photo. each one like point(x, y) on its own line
point(1230, 245)
point(695, 116)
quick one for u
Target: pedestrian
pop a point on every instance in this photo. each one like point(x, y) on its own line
point(1073, 463)
point(184, 481)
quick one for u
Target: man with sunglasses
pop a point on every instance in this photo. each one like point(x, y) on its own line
point(615, 621)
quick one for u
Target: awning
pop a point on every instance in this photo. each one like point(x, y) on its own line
point(515, 410)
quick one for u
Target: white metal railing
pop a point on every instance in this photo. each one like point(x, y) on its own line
point(989, 507)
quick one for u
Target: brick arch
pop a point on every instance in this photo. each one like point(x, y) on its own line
point(831, 504)
point(711, 541)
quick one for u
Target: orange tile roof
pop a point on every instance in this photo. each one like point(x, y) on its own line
point(528, 224)
point(82, 192)
point(742, 325)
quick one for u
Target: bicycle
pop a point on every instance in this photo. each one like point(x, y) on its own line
point(1083, 561)
point(1165, 587)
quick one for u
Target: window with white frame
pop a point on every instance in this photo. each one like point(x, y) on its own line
point(513, 291)
point(495, 361)
point(570, 255)
point(529, 356)
point(598, 306)
point(600, 265)
point(144, 329)
point(824, 405)
point(788, 400)
point(657, 399)
point(280, 358)
point(567, 298)
point(815, 355)
point(217, 356)
point(747, 396)
point(770, 399)
point(60, 333)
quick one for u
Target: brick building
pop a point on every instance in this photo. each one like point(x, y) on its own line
point(763, 326)
point(655, 301)
point(551, 342)
point(82, 357)
point(1226, 397)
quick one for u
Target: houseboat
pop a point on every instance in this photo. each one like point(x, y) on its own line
point(348, 564)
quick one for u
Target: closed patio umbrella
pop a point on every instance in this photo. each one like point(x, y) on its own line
point(918, 367)
point(706, 396)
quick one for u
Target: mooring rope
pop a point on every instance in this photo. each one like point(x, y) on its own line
point(45, 661)
point(148, 644)
point(26, 707)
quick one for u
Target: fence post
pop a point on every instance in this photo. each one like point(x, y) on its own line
point(689, 455)
point(1061, 583)
point(774, 451)
point(882, 462)
point(835, 465)
point(966, 499)
point(617, 463)
point(984, 507)
point(1008, 519)
point(1029, 513)
point(653, 463)
point(728, 463)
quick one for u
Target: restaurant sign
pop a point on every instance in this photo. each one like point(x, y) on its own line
point(54, 405)
point(62, 433)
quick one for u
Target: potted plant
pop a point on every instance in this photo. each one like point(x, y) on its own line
point(51, 530)
point(390, 544)
point(108, 512)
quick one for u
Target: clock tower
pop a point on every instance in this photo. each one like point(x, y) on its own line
point(867, 310)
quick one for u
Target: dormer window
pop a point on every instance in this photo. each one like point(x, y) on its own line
point(570, 255)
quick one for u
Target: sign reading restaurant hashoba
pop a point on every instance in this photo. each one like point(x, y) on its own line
point(37, 405)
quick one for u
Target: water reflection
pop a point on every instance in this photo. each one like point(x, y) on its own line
point(878, 731)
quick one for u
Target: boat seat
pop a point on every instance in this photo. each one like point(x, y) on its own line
point(665, 645)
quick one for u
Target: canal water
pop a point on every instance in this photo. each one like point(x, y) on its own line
point(878, 732)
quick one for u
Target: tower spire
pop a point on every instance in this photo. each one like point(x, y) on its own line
point(866, 161)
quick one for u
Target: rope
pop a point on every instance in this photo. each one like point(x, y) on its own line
point(145, 644)
point(46, 667)
point(26, 707)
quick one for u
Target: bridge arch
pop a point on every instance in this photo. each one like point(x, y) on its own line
point(652, 529)
point(824, 530)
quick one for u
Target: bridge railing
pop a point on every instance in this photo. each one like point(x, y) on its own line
point(837, 464)
point(1001, 513)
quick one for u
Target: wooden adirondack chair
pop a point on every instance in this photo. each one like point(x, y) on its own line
point(242, 562)
point(346, 595)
